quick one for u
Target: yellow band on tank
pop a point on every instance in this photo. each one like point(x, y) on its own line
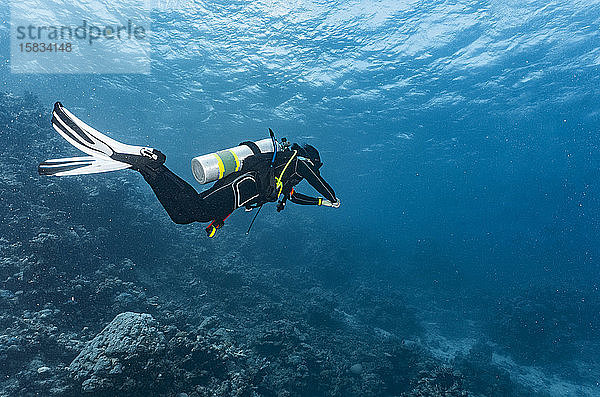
point(221, 166)
point(320, 201)
point(237, 160)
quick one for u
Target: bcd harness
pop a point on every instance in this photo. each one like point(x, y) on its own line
point(212, 228)
point(278, 182)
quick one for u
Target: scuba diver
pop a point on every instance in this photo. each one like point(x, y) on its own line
point(258, 179)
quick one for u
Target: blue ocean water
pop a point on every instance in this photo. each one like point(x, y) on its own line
point(460, 136)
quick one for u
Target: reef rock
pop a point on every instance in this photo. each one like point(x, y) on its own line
point(123, 357)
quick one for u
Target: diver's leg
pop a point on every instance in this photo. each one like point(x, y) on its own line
point(219, 201)
point(184, 205)
point(179, 198)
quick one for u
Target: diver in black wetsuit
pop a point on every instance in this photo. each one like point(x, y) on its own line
point(264, 177)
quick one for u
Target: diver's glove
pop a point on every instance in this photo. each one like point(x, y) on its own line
point(327, 203)
point(280, 206)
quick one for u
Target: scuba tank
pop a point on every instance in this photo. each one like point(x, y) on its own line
point(214, 166)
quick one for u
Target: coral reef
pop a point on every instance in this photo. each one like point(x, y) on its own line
point(124, 353)
point(101, 294)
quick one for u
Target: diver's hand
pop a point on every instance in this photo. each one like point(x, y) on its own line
point(327, 203)
point(280, 206)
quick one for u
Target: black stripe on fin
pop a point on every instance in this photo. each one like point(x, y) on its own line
point(67, 121)
point(58, 123)
point(44, 170)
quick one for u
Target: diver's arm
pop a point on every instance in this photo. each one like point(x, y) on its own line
point(315, 179)
point(302, 199)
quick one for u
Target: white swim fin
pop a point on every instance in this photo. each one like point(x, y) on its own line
point(79, 166)
point(105, 154)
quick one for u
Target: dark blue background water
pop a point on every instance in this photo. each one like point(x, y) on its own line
point(461, 136)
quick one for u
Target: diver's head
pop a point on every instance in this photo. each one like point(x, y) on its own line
point(310, 153)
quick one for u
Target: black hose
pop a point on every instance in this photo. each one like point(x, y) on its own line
point(253, 219)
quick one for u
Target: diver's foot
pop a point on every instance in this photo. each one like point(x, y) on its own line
point(147, 159)
point(153, 154)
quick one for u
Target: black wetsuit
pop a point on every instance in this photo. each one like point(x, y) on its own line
point(253, 185)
